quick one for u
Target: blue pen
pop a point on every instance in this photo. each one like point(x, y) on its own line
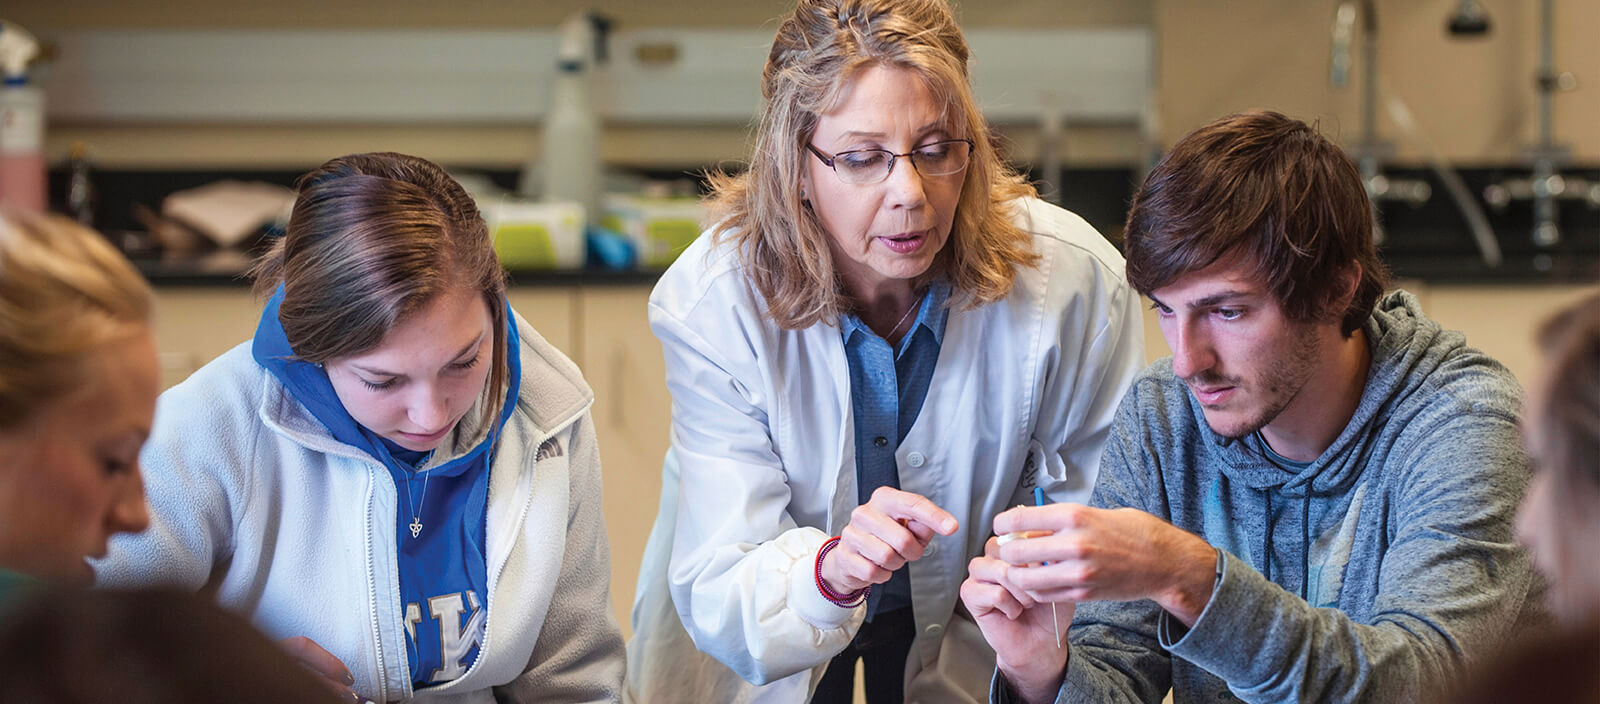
point(1038, 500)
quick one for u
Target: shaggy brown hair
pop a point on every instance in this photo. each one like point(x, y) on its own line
point(1269, 191)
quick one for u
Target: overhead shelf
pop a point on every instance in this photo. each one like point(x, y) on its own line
point(682, 76)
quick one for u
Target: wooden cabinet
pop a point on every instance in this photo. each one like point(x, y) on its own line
point(632, 413)
point(195, 325)
point(550, 311)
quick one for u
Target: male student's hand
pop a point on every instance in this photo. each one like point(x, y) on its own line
point(891, 529)
point(1019, 628)
point(1108, 554)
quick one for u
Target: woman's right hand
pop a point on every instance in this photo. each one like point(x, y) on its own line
point(321, 662)
point(891, 529)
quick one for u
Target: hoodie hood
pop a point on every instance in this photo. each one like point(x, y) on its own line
point(1409, 353)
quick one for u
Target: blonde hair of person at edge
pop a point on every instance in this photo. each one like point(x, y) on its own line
point(397, 476)
point(78, 385)
point(885, 340)
point(1559, 521)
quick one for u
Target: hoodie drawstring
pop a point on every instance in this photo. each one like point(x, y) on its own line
point(1266, 538)
point(1305, 547)
point(1305, 543)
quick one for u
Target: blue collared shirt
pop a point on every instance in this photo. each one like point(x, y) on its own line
point(887, 387)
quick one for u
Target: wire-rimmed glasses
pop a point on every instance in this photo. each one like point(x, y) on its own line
point(864, 167)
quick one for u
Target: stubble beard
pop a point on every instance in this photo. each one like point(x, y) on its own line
point(1279, 385)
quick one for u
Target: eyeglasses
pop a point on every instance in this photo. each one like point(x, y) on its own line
point(864, 167)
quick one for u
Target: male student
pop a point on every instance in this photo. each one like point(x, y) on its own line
point(1310, 501)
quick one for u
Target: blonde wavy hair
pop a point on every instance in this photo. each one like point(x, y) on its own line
point(65, 293)
point(817, 51)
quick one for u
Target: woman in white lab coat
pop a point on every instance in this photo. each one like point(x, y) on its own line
point(885, 340)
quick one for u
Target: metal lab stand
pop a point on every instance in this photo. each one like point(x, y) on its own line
point(1547, 187)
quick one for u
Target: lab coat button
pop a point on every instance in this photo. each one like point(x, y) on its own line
point(880, 441)
point(916, 459)
point(931, 550)
point(933, 630)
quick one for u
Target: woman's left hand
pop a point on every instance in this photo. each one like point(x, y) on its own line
point(891, 529)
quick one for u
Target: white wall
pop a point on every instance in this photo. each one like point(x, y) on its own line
point(1474, 99)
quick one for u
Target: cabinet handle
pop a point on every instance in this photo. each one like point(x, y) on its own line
point(619, 370)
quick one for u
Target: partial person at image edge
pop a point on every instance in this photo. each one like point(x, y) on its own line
point(78, 383)
point(1559, 521)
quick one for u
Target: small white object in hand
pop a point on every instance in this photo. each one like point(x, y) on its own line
point(1054, 622)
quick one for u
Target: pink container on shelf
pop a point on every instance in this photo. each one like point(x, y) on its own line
point(22, 168)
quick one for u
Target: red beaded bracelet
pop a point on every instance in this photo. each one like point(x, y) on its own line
point(848, 601)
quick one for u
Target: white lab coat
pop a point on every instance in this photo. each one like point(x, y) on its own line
point(762, 465)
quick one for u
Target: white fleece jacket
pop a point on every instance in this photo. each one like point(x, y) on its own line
point(251, 498)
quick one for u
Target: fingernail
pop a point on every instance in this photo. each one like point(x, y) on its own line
point(349, 679)
point(949, 525)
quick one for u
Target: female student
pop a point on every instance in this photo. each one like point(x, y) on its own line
point(397, 475)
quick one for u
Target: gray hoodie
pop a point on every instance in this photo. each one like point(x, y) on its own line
point(1370, 575)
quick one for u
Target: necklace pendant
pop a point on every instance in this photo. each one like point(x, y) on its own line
point(416, 527)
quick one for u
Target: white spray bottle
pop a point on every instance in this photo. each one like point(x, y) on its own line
point(22, 173)
point(570, 158)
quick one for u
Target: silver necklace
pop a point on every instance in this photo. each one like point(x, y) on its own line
point(416, 513)
point(903, 318)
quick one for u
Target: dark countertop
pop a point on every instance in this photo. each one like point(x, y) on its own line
point(1429, 242)
point(227, 268)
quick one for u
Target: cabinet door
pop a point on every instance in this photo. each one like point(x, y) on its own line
point(550, 311)
point(633, 415)
point(195, 325)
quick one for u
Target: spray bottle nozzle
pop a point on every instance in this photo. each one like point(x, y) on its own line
point(583, 40)
point(17, 48)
